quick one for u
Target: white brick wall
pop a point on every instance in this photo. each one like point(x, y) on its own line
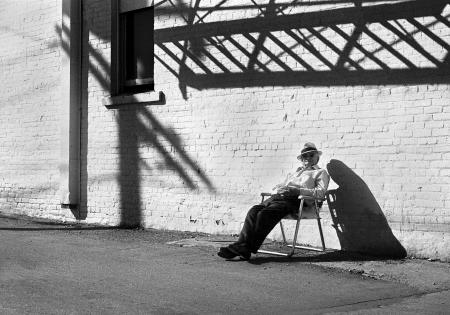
point(29, 95)
point(199, 161)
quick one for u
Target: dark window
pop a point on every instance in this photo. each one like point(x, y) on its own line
point(136, 51)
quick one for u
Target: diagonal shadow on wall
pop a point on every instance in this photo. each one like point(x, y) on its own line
point(357, 217)
point(305, 61)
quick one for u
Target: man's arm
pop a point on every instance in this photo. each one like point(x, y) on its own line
point(283, 187)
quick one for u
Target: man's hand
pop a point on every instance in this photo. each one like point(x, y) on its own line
point(282, 190)
point(288, 191)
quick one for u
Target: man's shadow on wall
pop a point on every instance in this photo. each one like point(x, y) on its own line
point(357, 217)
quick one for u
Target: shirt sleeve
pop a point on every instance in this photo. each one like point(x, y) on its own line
point(319, 191)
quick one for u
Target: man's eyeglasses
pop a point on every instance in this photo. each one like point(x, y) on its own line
point(308, 155)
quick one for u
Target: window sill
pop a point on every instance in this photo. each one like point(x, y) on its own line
point(148, 98)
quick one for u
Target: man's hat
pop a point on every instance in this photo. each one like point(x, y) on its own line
point(308, 148)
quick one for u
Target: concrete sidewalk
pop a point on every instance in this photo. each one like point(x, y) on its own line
point(48, 268)
point(430, 277)
point(427, 275)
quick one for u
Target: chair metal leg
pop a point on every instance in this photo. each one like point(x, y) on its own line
point(297, 227)
point(282, 232)
point(294, 241)
point(263, 251)
point(321, 234)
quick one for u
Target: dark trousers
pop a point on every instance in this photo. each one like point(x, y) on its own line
point(262, 218)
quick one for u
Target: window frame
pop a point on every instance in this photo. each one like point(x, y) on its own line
point(119, 84)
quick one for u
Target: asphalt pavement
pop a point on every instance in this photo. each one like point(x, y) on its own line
point(50, 268)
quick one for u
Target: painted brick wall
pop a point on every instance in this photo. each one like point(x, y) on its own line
point(241, 98)
point(29, 96)
point(226, 133)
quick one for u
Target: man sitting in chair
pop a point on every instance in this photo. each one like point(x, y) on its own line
point(308, 180)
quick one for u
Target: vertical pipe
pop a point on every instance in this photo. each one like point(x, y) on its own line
point(70, 108)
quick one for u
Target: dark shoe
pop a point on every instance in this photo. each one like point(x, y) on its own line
point(226, 253)
point(240, 250)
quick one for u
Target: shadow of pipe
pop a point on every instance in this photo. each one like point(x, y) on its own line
point(357, 217)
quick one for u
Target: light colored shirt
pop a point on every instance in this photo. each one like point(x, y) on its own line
point(312, 181)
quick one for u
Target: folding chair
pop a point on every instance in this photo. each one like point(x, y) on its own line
point(302, 213)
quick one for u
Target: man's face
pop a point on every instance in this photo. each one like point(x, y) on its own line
point(310, 159)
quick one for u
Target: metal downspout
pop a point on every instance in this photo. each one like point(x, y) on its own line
point(69, 167)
